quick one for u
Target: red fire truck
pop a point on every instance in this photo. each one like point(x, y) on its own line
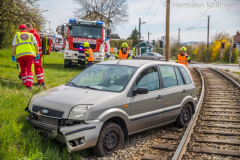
point(80, 31)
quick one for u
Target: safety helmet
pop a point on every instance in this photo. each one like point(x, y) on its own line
point(85, 44)
point(133, 48)
point(183, 49)
point(124, 45)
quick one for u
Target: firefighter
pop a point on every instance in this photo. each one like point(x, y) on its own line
point(123, 53)
point(26, 50)
point(38, 63)
point(183, 57)
point(88, 54)
point(134, 52)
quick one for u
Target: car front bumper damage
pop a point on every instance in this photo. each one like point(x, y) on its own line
point(77, 137)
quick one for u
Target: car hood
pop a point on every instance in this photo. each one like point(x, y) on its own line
point(65, 97)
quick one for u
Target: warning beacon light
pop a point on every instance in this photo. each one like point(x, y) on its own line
point(72, 20)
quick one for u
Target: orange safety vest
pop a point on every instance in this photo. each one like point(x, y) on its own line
point(91, 56)
point(123, 56)
point(182, 60)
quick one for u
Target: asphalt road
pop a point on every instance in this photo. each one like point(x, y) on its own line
point(233, 68)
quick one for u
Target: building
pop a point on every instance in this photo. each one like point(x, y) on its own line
point(143, 47)
point(114, 37)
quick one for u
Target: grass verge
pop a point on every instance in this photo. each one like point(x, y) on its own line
point(19, 140)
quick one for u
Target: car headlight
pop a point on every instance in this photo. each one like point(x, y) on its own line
point(68, 53)
point(30, 102)
point(79, 112)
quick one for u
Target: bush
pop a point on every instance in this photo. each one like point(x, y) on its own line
point(226, 54)
point(118, 43)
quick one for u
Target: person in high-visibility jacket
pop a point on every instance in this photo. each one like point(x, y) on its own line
point(123, 54)
point(183, 57)
point(26, 50)
point(88, 54)
point(134, 52)
point(38, 63)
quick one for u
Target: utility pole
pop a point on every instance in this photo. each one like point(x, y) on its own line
point(178, 37)
point(230, 55)
point(49, 27)
point(208, 39)
point(139, 36)
point(148, 37)
point(167, 49)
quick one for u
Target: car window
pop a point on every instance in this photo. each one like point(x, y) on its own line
point(144, 54)
point(148, 78)
point(179, 77)
point(185, 75)
point(104, 77)
point(150, 54)
point(168, 76)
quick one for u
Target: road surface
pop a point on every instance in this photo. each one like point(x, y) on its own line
point(233, 68)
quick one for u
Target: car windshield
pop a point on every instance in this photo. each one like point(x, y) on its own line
point(104, 77)
point(57, 40)
point(85, 32)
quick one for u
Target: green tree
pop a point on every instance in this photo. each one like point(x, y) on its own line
point(15, 12)
point(134, 35)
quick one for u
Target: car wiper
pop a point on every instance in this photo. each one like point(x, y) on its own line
point(90, 87)
point(74, 84)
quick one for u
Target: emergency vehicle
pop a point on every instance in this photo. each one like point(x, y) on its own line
point(58, 44)
point(52, 38)
point(80, 31)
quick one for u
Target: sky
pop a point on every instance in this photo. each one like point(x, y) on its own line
point(184, 14)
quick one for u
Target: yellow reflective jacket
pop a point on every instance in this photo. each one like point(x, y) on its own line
point(25, 44)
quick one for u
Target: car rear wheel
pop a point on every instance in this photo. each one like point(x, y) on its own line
point(110, 139)
point(153, 59)
point(185, 116)
point(137, 58)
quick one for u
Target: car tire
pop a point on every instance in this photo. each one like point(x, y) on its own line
point(137, 58)
point(153, 59)
point(67, 63)
point(106, 56)
point(110, 139)
point(185, 116)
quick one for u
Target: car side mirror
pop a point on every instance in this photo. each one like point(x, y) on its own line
point(140, 90)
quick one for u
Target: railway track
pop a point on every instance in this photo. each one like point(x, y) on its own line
point(214, 132)
point(165, 147)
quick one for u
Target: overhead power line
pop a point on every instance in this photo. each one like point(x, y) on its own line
point(149, 9)
point(155, 11)
point(155, 28)
point(200, 17)
point(197, 8)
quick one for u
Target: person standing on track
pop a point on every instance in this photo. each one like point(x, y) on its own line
point(26, 50)
point(183, 57)
point(38, 63)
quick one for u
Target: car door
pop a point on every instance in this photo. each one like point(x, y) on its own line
point(150, 56)
point(143, 56)
point(172, 93)
point(146, 109)
point(186, 89)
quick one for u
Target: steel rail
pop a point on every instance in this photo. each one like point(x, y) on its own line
point(186, 137)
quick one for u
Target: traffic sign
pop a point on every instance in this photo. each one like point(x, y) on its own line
point(221, 54)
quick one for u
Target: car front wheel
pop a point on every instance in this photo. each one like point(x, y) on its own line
point(110, 139)
point(185, 116)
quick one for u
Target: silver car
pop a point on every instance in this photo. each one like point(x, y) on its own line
point(150, 56)
point(111, 100)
